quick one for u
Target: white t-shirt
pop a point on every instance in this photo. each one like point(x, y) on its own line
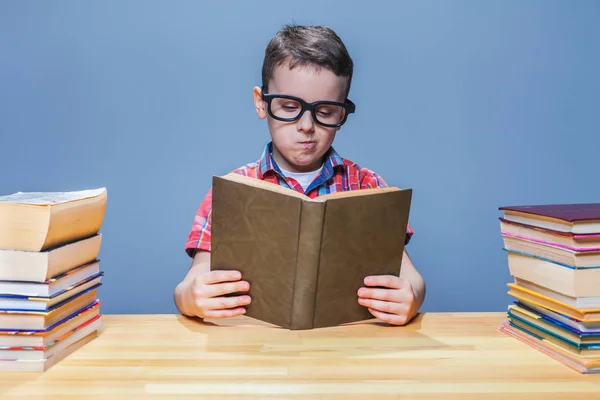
point(303, 178)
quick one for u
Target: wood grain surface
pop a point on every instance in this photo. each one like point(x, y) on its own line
point(437, 356)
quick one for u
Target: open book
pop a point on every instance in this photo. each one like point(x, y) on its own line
point(306, 258)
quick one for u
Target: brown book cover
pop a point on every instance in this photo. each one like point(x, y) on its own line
point(306, 258)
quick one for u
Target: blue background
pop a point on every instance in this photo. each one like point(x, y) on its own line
point(472, 104)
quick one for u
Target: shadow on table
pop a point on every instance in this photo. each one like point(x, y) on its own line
point(247, 336)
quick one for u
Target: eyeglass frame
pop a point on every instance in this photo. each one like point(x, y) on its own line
point(348, 106)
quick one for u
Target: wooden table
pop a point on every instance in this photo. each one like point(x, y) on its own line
point(437, 356)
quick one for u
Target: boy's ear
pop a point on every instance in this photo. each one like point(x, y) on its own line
point(259, 104)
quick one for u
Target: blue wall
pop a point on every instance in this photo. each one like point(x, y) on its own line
point(472, 104)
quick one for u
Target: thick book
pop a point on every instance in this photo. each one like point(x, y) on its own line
point(46, 265)
point(572, 218)
point(36, 221)
point(304, 258)
point(581, 283)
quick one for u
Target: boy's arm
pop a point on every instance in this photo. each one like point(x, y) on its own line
point(409, 273)
point(200, 265)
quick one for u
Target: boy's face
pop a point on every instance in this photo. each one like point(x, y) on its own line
point(299, 146)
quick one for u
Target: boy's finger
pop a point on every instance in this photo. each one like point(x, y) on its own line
point(389, 318)
point(388, 281)
point(232, 312)
point(221, 303)
point(405, 295)
point(380, 294)
point(221, 276)
point(383, 306)
point(220, 289)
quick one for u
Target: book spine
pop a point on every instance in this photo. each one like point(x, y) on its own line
point(307, 264)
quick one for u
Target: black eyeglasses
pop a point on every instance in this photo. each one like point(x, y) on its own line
point(331, 114)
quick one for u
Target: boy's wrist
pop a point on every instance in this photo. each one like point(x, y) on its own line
point(181, 298)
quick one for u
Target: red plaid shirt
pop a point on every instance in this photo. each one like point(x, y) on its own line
point(337, 174)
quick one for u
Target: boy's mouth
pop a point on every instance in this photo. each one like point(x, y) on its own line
point(307, 144)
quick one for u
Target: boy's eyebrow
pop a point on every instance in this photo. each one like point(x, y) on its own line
point(301, 98)
point(294, 95)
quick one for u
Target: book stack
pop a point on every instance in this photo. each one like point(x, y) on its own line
point(554, 258)
point(49, 276)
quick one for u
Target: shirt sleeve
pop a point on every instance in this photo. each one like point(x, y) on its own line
point(200, 234)
point(371, 180)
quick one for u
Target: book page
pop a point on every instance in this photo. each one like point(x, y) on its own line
point(258, 183)
point(41, 198)
point(354, 193)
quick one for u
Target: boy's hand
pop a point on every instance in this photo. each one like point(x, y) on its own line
point(394, 304)
point(207, 294)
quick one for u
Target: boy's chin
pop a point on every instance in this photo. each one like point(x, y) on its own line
point(306, 166)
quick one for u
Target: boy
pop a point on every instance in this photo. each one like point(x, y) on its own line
point(306, 79)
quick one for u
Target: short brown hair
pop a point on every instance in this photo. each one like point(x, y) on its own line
point(307, 45)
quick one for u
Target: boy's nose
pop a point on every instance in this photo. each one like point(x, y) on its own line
point(306, 123)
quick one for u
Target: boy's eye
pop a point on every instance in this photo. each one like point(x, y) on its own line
point(290, 107)
point(327, 111)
